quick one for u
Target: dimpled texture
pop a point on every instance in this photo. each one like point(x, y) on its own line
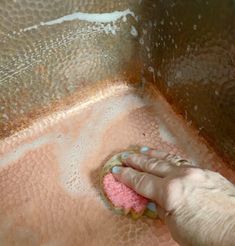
point(67, 102)
point(185, 48)
point(122, 196)
point(194, 59)
point(43, 66)
point(49, 172)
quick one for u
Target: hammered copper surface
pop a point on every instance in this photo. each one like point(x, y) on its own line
point(73, 92)
point(185, 47)
point(195, 58)
point(49, 177)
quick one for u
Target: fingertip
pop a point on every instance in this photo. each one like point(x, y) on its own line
point(152, 207)
point(125, 155)
point(116, 170)
point(144, 149)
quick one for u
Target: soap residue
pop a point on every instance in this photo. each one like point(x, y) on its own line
point(134, 32)
point(90, 17)
point(165, 134)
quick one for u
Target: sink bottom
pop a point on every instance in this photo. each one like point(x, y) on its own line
point(49, 172)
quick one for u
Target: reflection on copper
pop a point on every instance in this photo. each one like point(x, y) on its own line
point(69, 99)
point(49, 172)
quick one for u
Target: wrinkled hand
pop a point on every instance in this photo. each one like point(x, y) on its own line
point(198, 205)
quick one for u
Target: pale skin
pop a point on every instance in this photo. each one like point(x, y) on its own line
point(198, 205)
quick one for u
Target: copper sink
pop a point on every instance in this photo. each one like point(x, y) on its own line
point(83, 80)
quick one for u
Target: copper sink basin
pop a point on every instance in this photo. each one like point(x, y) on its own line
point(81, 81)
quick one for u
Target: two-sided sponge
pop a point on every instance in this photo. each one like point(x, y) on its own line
point(119, 197)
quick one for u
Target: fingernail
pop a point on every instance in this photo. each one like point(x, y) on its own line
point(125, 155)
point(116, 169)
point(152, 207)
point(144, 149)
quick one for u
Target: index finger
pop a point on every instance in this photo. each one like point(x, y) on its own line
point(161, 168)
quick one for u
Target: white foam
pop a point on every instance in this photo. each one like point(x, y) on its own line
point(134, 32)
point(165, 134)
point(74, 153)
point(22, 149)
point(90, 17)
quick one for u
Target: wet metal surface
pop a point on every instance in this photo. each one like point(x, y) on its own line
point(53, 50)
point(79, 81)
point(49, 172)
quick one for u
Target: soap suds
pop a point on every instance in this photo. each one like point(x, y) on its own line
point(24, 148)
point(134, 31)
point(165, 134)
point(89, 17)
point(78, 150)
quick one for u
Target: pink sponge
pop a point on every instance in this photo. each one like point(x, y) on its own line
point(122, 196)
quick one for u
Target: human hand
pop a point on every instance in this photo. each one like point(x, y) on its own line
point(198, 205)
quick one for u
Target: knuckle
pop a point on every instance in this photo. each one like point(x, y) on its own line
point(171, 185)
point(193, 172)
point(217, 178)
point(138, 180)
point(143, 160)
point(139, 160)
point(213, 174)
point(151, 164)
point(136, 158)
point(126, 172)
